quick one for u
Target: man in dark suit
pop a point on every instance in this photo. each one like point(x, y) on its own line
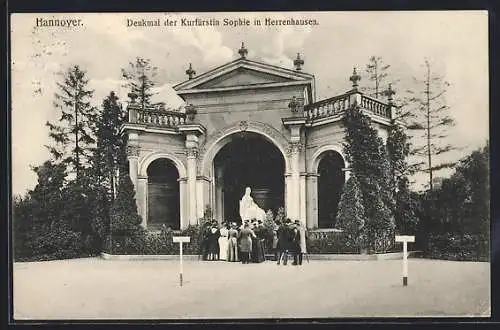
point(296, 238)
point(285, 240)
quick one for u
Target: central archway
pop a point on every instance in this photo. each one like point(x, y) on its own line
point(248, 160)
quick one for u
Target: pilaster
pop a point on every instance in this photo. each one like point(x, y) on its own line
point(142, 199)
point(183, 203)
point(192, 154)
point(133, 160)
point(295, 193)
point(312, 201)
point(195, 198)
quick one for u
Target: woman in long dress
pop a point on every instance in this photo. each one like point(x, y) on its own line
point(245, 236)
point(223, 242)
point(232, 254)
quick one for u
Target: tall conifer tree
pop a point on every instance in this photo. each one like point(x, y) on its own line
point(367, 156)
point(351, 214)
point(73, 134)
point(431, 123)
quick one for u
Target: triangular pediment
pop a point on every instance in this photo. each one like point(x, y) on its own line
point(242, 77)
point(241, 73)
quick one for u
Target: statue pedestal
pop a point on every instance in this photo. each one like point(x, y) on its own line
point(263, 198)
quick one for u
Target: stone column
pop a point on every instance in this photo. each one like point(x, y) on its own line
point(219, 194)
point(192, 154)
point(133, 161)
point(142, 199)
point(192, 132)
point(294, 193)
point(200, 196)
point(140, 188)
point(312, 201)
point(294, 124)
point(183, 203)
point(302, 195)
point(288, 194)
point(347, 173)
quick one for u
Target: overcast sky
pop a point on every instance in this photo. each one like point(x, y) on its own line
point(455, 43)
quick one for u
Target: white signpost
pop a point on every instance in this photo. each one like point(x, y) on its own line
point(180, 240)
point(405, 239)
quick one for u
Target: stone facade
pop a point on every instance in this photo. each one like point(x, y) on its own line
point(244, 96)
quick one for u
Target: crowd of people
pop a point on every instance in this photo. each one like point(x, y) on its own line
point(246, 242)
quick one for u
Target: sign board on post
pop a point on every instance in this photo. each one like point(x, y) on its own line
point(180, 240)
point(405, 239)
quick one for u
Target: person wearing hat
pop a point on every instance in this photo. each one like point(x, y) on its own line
point(283, 242)
point(299, 243)
point(205, 238)
point(232, 254)
point(294, 240)
point(213, 242)
point(245, 235)
point(275, 241)
point(223, 241)
point(257, 244)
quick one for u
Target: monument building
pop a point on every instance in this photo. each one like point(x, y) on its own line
point(245, 124)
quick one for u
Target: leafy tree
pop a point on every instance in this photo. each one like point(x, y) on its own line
point(78, 200)
point(460, 209)
point(47, 194)
point(41, 230)
point(22, 226)
point(431, 122)
point(140, 77)
point(366, 153)
point(73, 135)
point(464, 197)
point(351, 215)
point(377, 72)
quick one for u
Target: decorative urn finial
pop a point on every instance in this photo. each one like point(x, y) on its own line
point(389, 93)
point(133, 96)
point(191, 112)
point(355, 78)
point(243, 51)
point(298, 62)
point(190, 72)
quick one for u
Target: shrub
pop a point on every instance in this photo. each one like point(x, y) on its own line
point(458, 247)
point(56, 243)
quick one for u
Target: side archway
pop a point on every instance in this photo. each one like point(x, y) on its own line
point(317, 156)
point(329, 166)
point(148, 159)
point(162, 190)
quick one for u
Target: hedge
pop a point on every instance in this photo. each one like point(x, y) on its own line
point(459, 247)
point(161, 243)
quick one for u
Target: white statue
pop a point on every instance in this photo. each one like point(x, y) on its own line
point(249, 210)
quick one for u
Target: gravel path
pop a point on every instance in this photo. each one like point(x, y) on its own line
point(101, 289)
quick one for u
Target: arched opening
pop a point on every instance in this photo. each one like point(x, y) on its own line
point(330, 183)
point(248, 160)
point(163, 194)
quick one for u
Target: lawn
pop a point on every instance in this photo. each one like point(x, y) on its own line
point(94, 288)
